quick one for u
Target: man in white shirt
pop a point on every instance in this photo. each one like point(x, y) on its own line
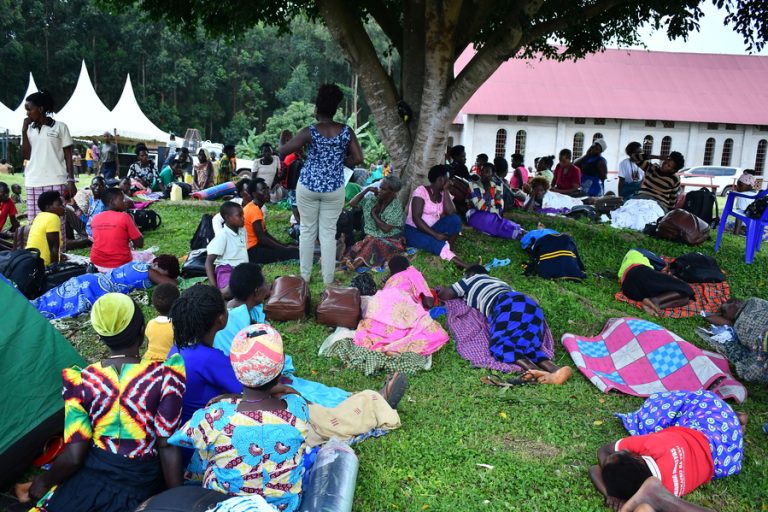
point(630, 174)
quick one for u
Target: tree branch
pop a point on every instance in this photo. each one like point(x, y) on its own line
point(390, 25)
point(549, 27)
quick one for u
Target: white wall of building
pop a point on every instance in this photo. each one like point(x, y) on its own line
point(547, 136)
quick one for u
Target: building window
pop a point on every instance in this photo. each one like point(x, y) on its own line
point(727, 151)
point(599, 122)
point(648, 145)
point(578, 145)
point(520, 142)
point(713, 126)
point(668, 124)
point(579, 120)
point(522, 119)
point(501, 143)
point(730, 126)
point(666, 146)
point(650, 124)
point(596, 136)
point(709, 151)
point(762, 146)
point(502, 118)
point(762, 128)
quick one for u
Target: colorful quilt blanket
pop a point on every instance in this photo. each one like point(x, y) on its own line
point(640, 358)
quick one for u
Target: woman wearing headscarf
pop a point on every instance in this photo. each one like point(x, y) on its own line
point(202, 177)
point(594, 168)
point(118, 414)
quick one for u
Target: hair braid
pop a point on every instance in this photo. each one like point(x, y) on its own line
point(194, 313)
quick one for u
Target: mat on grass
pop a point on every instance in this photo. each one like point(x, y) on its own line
point(641, 358)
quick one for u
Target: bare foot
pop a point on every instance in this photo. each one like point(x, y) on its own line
point(651, 308)
point(22, 491)
point(539, 226)
point(561, 376)
point(743, 418)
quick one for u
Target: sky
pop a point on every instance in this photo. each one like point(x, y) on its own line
point(713, 37)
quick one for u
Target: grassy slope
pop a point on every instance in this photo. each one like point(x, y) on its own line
point(539, 440)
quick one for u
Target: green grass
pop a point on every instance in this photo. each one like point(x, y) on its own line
point(540, 440)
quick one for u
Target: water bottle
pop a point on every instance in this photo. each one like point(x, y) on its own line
point(176, 194)
point(332, 479)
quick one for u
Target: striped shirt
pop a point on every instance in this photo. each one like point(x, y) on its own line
point(663, 188)
point(481, 291)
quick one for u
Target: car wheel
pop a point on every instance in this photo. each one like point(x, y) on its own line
point(726, 190)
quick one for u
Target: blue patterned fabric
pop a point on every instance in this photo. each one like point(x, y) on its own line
point(77, 295)
point(517, 328)
point(699, 410)
point(95, 206)
point(667, 359)
point(323, 170)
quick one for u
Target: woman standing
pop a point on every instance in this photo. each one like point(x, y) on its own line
point(47, 146)
point(320, 192)
point(202, 177)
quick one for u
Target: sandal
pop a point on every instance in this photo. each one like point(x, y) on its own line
point(498, 263)
point(523, 379)
point(394, 389)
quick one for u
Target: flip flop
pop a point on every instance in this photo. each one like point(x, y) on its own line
point(497, 263)
point(518, 381)
point(437, 312)
point(378, 270)
point(410, 251)
point(394, 389)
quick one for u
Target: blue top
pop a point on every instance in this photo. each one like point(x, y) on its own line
point(239, 319)
point(530, 237)
point(95, 206)
point(589, 166)
point(323, 169)
point(209, 374)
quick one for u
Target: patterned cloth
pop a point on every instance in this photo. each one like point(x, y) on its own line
point(641, 358)
point(377, 251)
point(489, 200)
point(471, 333)
point(370, 362)
point(256, 355)
point(707, 297)
point(393, 215)
point(250, 452)
point(699, 410)
point(323, 170)
point(517, 328)
point(76, 295)
point(125, 411)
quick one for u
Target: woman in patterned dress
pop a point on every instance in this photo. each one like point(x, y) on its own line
point(679, 441)
point(320, 191)
point(118, 414)
point(78, 294)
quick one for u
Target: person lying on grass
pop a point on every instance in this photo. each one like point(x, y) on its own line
point(228, 248)
point(679, 441)
point(516, 323)
point(118, 415)
point(45, 232)
point(654, 289)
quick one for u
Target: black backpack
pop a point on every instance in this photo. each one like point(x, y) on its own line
point(203, 234)
point(146, 220)
point(700, 203)
point(757, 207)
point(695, 267)
point(26, 269)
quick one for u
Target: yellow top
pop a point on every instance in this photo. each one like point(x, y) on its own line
point(632, 258)
point(159, 333)
point(44, 223)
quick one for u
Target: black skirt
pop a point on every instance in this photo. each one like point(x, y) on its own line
point(641, 282)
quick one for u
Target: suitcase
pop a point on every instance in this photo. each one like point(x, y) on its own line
point(288, 300)
point(339, 307)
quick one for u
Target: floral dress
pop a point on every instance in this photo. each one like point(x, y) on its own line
point(378, 247)
point(250, 452)
point(323, 169)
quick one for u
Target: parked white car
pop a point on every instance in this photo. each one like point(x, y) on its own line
point(723, 176)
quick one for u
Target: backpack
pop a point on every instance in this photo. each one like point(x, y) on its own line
point(700, 203)
point(695, 267)
point(555, 257)
point(26, 269)
point(203, 234)
point(146, 220)
point(681, 226)
point(757, 207)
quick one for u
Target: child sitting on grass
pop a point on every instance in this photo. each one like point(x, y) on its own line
point(113, 233)
point(7, 208)
point(159, 331)
point(16, 193)
point(228, 248)
point(45, 232)
point(249, 289)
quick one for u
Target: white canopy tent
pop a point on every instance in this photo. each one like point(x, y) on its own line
point(84, 114)
point(131, 122)
point(14, 119)
point(6, 118)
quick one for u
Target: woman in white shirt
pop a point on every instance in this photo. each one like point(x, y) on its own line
point(630, 174)
point(47, 146)
point(267, 166)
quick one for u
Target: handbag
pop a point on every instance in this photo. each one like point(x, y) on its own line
point(58, 273)
point(195, 264)
point(339, 307)
point(289, 299)
point(146, 220)
point(683, 227)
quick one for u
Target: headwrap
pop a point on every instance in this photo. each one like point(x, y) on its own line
point(601, 142)
point(747, 179)
point(257, 355)
point(117, 319)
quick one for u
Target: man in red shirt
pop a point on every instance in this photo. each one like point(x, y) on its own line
point(567, 178)
point(680, 441)
point(113, 232)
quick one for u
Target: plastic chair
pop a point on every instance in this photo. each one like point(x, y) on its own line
point(755, 227)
